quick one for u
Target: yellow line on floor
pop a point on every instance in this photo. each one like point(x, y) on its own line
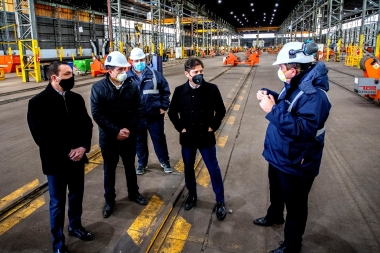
point(9, 222)
point(177, 236)
point(18, 193)
point(240, 98)
point(203, 178)
point(236, 107)
point(221, 141)
point(142, 225)
point(230, 120)
point(93, 163)
point(180, 167)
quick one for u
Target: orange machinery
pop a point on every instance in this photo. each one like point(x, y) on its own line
point(97, 67)
point(11, 61)
point(369, 86)
point(233, 60)
point(202, 53)
point(212, 53)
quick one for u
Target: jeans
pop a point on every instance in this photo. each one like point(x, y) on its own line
point(58, 184)
point(127, 151)
point(155, 126)
point(209, 158)
point(292, 191)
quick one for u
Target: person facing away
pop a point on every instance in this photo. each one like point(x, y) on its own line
point(196, 111)
point(155, 96)
point(116, 108)
point(62, 129)
point(294, 139)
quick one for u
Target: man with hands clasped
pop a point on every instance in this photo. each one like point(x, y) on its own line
point(294, 139)
point(116, 108)
point(62, 129)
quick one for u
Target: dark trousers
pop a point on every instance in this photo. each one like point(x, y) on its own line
point(209, 158)
point(58, 184)
point(292, 191)
point(127, 151)
point(155, 126)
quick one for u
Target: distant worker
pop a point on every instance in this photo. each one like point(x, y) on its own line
point(62, 128)
point(116, 108)
point(294, 139)
point(155, 96)
point(196, 111)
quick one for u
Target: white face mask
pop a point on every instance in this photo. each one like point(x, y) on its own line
point(281, 75)
point(122, 76)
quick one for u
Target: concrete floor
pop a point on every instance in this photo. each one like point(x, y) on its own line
point(344, 206)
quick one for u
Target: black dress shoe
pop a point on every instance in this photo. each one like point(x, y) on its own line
point(285, 249)
point(266, 223)
point(61, 250)
point(220, 211)
point(139, 199)
point(81, 233)
point(190, 202)
point(107, 210)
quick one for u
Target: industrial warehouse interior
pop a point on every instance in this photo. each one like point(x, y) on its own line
point(326, 136)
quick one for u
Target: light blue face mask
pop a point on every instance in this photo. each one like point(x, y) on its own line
point(139, 66)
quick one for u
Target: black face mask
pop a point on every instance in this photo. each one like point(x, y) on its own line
point(67, 84)
point(198, 79)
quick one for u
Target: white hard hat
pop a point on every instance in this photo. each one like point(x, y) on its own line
point(289, 54)
point(137, 54)
point(116, 59)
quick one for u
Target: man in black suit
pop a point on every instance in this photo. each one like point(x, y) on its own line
point(196, 111)
point(62, 128)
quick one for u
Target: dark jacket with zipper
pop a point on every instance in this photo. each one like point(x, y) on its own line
point(196, 110)
point(114, 109)
point(58, 124)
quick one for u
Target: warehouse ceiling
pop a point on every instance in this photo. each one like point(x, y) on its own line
point(237, 13)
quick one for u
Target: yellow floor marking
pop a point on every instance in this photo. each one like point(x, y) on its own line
point(18, 193)
point(240, 98)
point(94, 148)
point(93, 163)
point(237, 84)
point(236, 107)
point(176, 238)
point(9, 222)
point(203, 178)
point(243, 91)
point(221, 141)
point(142, 225)
point(180, 167)
point(230, 120)
point(233, 89)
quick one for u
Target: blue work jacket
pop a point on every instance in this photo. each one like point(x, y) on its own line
point(153, 96)
point(294, 139)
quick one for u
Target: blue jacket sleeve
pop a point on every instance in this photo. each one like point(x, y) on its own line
point(307, 116)
point(164, 89)
point(271, 92)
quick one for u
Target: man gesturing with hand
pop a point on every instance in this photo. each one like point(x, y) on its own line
point(116, 108)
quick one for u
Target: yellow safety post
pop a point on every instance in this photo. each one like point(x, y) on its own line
point(10, 51)
point(328, 50)
point(361, 43)
point(377, 50)
point(183, 52)
point(60, 53)
point(152, 47)
point(161, 49)
point(111, 46)
point(25, 77)
point(2, 74)
point(36, 60)
point(337, 55)
point(80, 51)
point(121, 47)
point(72, 56)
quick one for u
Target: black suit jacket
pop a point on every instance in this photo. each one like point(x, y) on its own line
point(59, 124)
point(196, 110)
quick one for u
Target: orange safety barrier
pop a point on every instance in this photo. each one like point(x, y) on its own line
point(2, 74)
point(11, 61)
